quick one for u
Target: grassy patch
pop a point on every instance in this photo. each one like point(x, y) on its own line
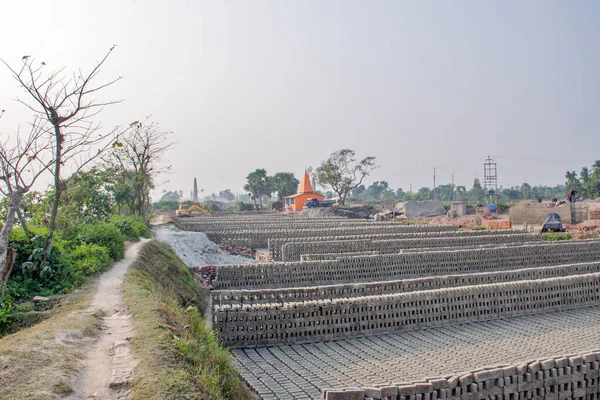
point(177, 356)
point(409, 222)
point(556, 236)
point(39, 362)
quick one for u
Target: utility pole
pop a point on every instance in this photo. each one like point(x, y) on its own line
point(434, 183)
point(410, 188)
point(452, 194)
point(525, 189)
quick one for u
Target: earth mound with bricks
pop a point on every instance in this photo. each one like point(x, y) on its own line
point(357, 309)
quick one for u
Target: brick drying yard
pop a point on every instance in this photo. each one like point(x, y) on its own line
point(355, 309)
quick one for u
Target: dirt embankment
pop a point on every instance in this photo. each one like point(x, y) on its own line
point(177, 355)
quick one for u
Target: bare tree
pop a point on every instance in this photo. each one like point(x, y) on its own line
point(140, 155)
point(20, 166)
point(66, 102)
point(342, 172)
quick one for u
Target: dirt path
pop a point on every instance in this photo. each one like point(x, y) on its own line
point(109, 365)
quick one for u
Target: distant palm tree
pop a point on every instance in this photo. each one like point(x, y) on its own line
point(596, 169)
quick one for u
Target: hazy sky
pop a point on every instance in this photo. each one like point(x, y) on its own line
point(281, 84)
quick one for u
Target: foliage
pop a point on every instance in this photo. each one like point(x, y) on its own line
point(226, 195)
point(342, 172)
point(174, 196)
point(89, 196)
point(379, 192)
point(284, 184)
point(240, 206)
point(88, 259)
point(409, 222)
point(212, 207)
point(131, 227)
point(7, 314)
point(165, 205)
point(258, 185)
point(35, 273)
point(104, 234)
point(556, 236)
point(588, 182)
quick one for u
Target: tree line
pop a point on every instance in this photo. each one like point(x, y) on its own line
point(380, 192)
point(587, 184)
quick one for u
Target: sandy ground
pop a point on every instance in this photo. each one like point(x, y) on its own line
point(109, 365)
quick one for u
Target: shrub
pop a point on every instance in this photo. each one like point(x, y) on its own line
point(104, 234)
point(7, 315)
point(555, 236)
point(240, 206)
point(165, 205)
point(88, 259)
point(131, 227)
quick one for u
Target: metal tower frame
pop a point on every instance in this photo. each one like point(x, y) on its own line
point(490, 180)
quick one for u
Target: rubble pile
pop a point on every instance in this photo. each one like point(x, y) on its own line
point(239, 250)
point(205, 275)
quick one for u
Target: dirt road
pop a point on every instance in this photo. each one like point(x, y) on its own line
point(109, 365)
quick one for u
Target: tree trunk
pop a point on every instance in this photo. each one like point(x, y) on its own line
point(5, 255)
point(6, 269)
point(57, 189)
point(23, 221)
point(343, 198)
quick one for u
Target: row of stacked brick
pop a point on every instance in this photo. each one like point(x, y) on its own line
point(327, 292)
point(384, 267)
point(249, 223)
point(294, 251)
point(256, 232)
point(260, 325)
point(259, 238)
point(275, 245)
point(571, 376)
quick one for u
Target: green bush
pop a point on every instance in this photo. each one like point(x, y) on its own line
point(240, 206)
point(7, 315)
point(131, 227)
point(88, 259)
point(556, 236)
point(104, 234)
point(165, 205)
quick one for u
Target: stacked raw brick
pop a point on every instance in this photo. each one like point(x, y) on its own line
point(295, 251)
point(375, 279)
point(257, 234)
point(560, 377)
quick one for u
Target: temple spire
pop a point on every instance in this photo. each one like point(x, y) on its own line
point(305, 185)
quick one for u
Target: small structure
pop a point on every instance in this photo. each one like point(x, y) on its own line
point(458, 208)
point(296, 202)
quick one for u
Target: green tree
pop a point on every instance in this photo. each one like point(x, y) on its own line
point(342, 172)
point(226, 195)
point(477, 192)
point(89, 195)
point(258, 185)
point(284, 184)
point(573, 182)
point(170, 195)
point(358, 191)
